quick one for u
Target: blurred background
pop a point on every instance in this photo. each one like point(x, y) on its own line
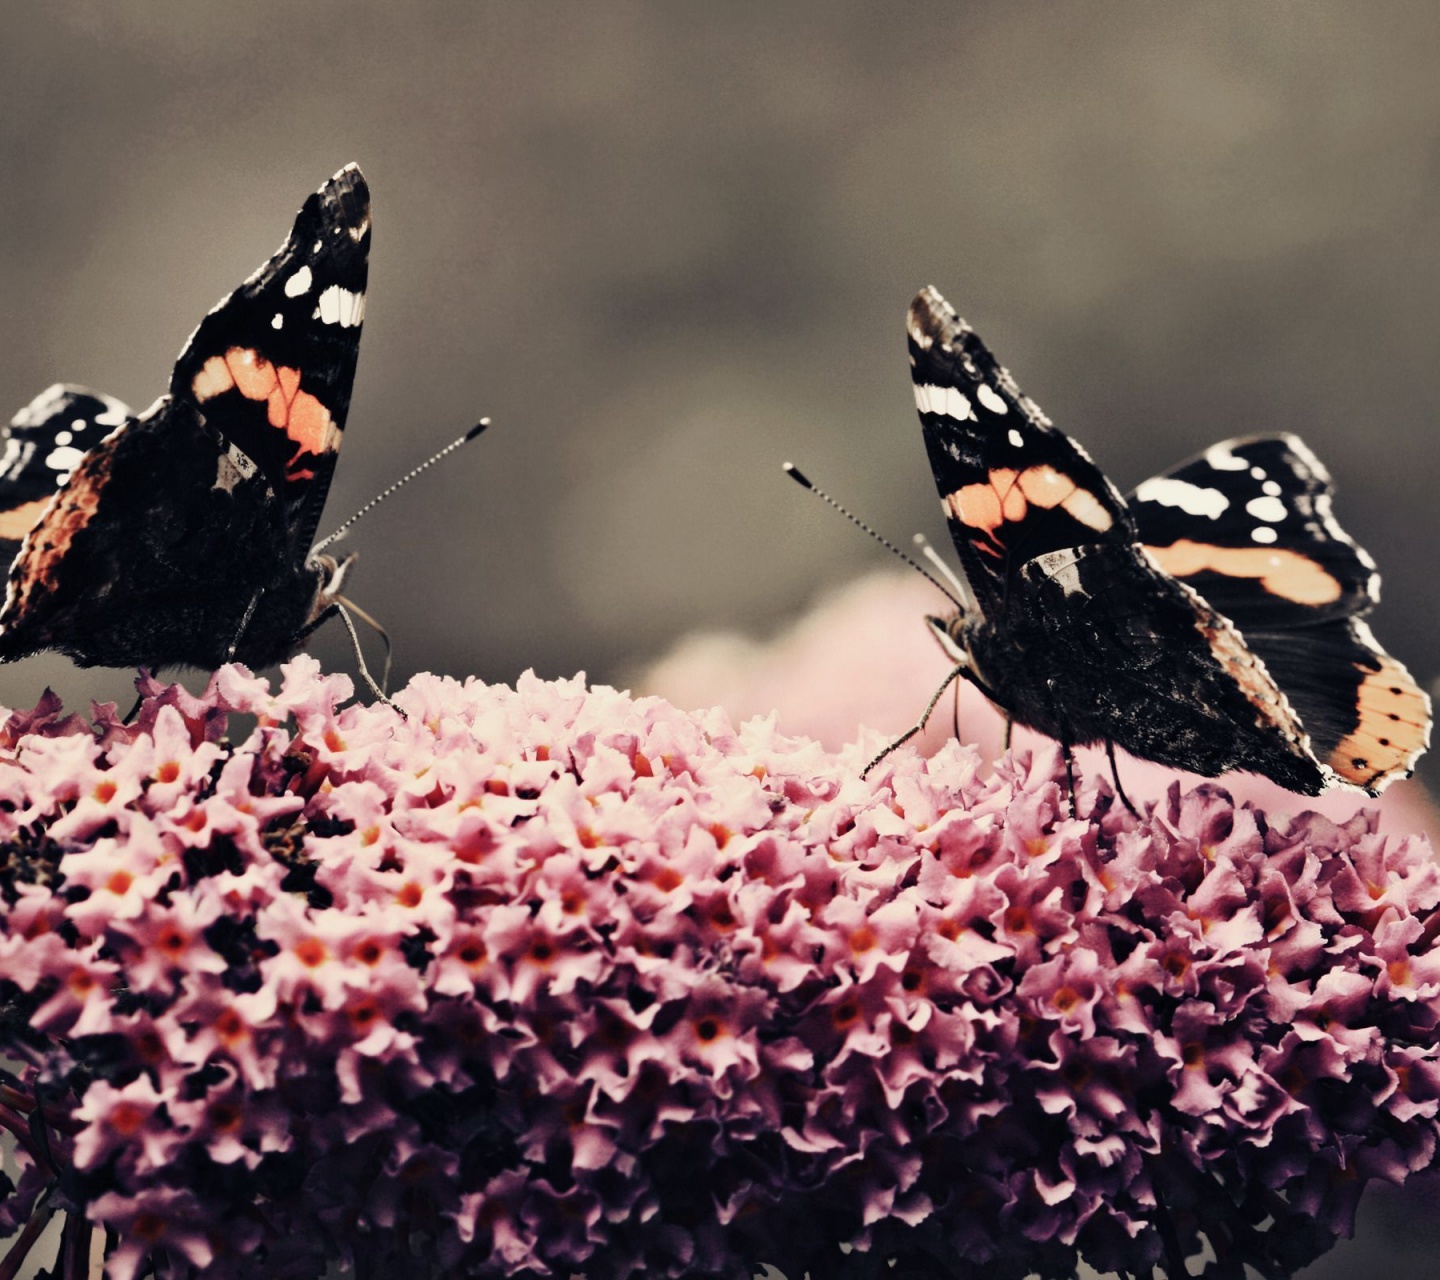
point(667, 247)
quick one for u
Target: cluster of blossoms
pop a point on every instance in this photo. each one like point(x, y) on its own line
point(550, 981)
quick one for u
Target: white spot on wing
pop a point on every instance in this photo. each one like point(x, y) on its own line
point(1270, 510)
point(15, 453)
point(65, 458)
point(1264, 533)
point(1190, 498)
point(299, 283)
point(76, 424)
point(1220, 457)
point(991, 400)
point(1017, 439)
point(63, 437)
point(1271, 488)
point(1257, 473)
point(946, 400)
point(340, 306)
point(277, 320)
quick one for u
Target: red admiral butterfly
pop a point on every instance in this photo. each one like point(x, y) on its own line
point(1212, 622)
point(183, 536)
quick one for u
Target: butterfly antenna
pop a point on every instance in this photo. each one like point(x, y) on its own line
point(799, 477)
point(400, 483)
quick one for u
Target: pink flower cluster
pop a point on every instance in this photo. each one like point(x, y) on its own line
point(549, 980)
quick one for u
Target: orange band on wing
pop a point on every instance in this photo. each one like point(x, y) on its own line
point(18, 521)
point(1393, 729)
point(1285, 574)
point(297, 413)
point(1006, 495)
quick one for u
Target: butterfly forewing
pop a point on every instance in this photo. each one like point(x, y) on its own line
point(1012, 487)
point(1249, 525)
point(271, 367)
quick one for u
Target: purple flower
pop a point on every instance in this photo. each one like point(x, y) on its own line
point(549, 980)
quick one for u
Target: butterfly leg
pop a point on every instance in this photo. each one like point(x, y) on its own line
point(1009, 725)
point(360, 660)
point(1069, 774)
point(384, 635)
point(330, 611)
point(1115, 774)
point(244, 622)
point(920, 724)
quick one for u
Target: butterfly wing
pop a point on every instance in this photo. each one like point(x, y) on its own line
point(1012, 487)
point(172, 529)
point(1248, 525)
point(1099, 644)
point(43, 444)
point(272, 366)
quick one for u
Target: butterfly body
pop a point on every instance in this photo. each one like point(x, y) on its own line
point(1212, 623)
point(1074, 659)
point(181, 536)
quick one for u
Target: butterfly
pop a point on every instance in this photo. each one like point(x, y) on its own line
point(182, 536)
point(1212, 622)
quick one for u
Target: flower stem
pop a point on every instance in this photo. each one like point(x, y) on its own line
point(15, 1256)
point(20, 1127)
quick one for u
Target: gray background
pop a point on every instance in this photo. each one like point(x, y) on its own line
point(666, 247)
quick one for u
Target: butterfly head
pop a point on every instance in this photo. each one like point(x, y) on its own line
point(330, 574)
point(951, 632)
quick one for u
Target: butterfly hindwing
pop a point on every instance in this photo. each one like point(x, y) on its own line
point(144, 556)
point(1013, 488)
point(41, 447)
point(1368, 720)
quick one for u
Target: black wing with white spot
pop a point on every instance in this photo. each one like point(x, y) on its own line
point(271, 367)
point(1012, 486)
point(40, 448)
point(1248, 526)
